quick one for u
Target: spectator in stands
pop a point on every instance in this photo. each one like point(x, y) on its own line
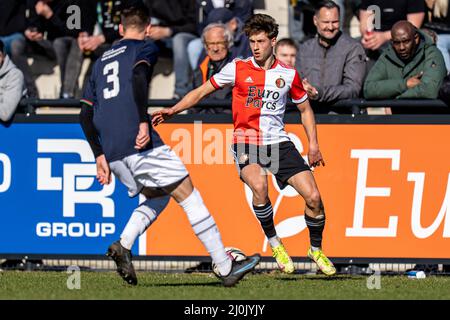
point(233, 19)
point(47, 35)
point(375, 39)
point(286, 51)
point(412, 67)
point(217, 39)
point(105, 14)
point(39, 34)
point(301, 16)
point(11, 85)
point(173, 27)
point(332, 64)
point(242, 9)
point(52, 17)
point(437, 19)
point(295, 21)
point(12, 22)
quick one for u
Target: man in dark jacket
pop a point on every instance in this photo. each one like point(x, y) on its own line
point(242, 9)
point(332, 65)
point(51, 17)
point(106, 14)
point(44, 21)
point(173, 27)
point(412, 67)
point(12, 22)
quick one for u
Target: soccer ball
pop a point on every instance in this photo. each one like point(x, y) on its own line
point(234, 253)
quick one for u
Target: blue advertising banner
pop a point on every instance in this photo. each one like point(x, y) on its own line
point(50, 200)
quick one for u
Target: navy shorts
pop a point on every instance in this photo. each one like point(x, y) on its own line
point(282, 159)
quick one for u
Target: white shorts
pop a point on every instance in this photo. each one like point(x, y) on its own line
point(155, 168)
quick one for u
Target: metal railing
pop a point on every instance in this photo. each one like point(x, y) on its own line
point(353, 106)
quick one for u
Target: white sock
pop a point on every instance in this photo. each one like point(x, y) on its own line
point(141, 218)
point(206, 230)
point(274, 241)
point(315, 248)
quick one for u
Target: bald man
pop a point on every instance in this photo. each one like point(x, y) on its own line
point(412, 67)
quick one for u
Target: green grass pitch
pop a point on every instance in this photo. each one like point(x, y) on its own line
point(204, 286)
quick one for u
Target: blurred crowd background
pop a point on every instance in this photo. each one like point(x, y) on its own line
point(343, 49)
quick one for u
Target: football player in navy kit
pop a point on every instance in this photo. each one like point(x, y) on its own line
point(116, 124)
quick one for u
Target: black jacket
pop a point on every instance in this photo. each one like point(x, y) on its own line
point(205, 70)
point(12, 16)
point(56, 26)
point(242, 9)
point(178, 15)
point(107, 14)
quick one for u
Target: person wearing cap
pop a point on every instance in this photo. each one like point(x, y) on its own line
point(11, 85)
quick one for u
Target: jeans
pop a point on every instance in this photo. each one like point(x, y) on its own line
point(194, 49)
point(20, 48)
point(181, 64)
point(70, 59)
point(9, 39)
point(443, 44)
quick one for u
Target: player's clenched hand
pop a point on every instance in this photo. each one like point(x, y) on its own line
point(143, 137)
point(315, 157)
point(103, 171)
point(161, 115)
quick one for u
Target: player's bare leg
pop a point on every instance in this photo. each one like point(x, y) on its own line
point(304, 183)
point(256, 178)
point(206, 230)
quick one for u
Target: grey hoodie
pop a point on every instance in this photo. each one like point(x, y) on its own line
point(11, 88)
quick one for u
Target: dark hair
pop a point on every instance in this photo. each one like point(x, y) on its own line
point(326, 4)
point(286, 42)
point(135, 17)
point(261, 23)
point(2, 47)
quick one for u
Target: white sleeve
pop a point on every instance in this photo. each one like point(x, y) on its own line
point(226, 76)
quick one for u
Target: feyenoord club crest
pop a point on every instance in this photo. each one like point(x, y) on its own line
point(280, 83)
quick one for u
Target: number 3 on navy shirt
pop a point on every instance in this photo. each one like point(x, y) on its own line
point(112, 77)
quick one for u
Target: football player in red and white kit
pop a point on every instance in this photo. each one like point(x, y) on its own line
point(261, 85)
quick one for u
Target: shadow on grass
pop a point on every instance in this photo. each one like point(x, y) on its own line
point(183, 284)
point(322, 278)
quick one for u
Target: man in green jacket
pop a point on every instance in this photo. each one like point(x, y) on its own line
point(412, 67)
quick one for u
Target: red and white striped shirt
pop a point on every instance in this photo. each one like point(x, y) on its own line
point(259, 99)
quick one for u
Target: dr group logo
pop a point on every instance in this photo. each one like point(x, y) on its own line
point(75, 183)
point(51, 201)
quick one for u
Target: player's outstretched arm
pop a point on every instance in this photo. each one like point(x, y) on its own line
point(189, 100)
point(309, 123)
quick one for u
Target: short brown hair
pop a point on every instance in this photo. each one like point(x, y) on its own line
point(286, 42)
point(261, 23)
point(135, 17)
